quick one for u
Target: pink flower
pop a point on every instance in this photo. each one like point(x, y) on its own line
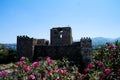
point(26, 68)
point(90, 65)
point(107, 71)
point(111, 47)
point(100, 64)
point(3, 73)
point(82, 76)
point(60, 71)
point(35, 64)
point(49, 73)
point(32, 77)
point(22, 58)
point(49, 60)
point(56, 70)
point(20, 63)
point(64, 72)
point(87, 70)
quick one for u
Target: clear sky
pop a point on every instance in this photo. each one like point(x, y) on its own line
point(35, 18)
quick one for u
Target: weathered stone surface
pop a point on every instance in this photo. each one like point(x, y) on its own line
point(61, 36)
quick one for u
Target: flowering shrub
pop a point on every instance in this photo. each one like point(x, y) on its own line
point(47, 69)
point(105, 66)
point(3, 73)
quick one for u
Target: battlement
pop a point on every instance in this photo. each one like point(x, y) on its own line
point(85, 39)
point(24, 37)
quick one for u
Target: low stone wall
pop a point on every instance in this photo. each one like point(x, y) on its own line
point(71, 52)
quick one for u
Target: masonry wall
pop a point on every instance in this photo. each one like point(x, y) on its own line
point(58, 52)
point(25, 47)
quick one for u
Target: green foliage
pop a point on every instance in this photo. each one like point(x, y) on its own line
point(110, 56)
point(7, 55)
point(105, 66)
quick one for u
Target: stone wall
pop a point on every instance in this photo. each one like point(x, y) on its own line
point(42, 42)
point(73, 53)
point(25, 46)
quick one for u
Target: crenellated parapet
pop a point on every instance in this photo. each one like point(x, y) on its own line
point(24, 37)
point(86, 42)
point(86, 39)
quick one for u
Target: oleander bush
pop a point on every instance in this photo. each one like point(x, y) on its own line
point(105, 66)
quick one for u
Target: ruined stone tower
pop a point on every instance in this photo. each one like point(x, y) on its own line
point(86, 49)
point(25, 46)
point(61, 36)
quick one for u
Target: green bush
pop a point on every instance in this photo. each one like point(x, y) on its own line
point(7, 55)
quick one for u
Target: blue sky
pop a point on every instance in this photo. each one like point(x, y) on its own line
point(35, 18)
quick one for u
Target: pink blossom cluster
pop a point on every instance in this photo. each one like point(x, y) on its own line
point(35, 64)
point(112, 47)
point(89, 66)
point(20, 63)
point(107, 70)
point(4, 73)
point(26, 68)
point(49, 60)
point(22, 58)
point(32, 77)
point(58, 71)
point(61, 71)
point(48, 73)
point(51, 70)
point(100, 64)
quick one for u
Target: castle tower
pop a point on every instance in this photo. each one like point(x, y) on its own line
point(61, 36)
point(25, 46)
point(86, 49)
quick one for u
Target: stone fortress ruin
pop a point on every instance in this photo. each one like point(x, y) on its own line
point(61, 45)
